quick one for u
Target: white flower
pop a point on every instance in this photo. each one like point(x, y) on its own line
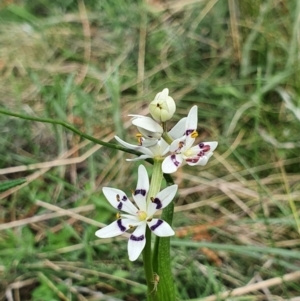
point(150, 142)
point(163, 107)
point(152, 131)
point(149, 128)
point(182, 150)
point(159, 149)
point(138, 216)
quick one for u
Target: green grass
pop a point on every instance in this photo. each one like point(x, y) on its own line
point(91, 65)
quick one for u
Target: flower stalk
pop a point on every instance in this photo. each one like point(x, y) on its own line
point(160, 263)
point(156, 180)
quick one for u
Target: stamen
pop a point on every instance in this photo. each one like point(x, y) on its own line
point(139, 138)
point(118, 198)
point(194, 134)
point(118, 215)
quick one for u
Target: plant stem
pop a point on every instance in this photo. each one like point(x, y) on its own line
point(161, 260)
point(148, 263)
point(156, 180)
point(166, 291)
point(71, 128)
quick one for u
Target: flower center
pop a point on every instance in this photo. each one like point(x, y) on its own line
point(188, 153)
point(142, 215)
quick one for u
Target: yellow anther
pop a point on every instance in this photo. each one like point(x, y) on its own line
point(139, 137)
point(118, 215)
point(194, 134)
point(118, 198)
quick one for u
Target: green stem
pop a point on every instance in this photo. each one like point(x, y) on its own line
point(166, 291)
point(161, 260)
point(156, 180)
point(147, 263)
point(71, 128)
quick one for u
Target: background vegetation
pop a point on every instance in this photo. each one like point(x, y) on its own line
point(91, 63)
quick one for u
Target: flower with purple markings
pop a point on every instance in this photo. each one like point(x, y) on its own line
point(139, 215)
point(182, 149)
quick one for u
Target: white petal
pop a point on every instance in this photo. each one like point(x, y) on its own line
point(162, 199)
point(162, 95)
point(202, 160)
point(136, 242)
point(160, 148)
point(142, 188)
point(175, 145)
point(179, 129)
point(213, 145)
point(192, 120)
point(139, 148)
point(160, 228)
point(171, 163)
point(148, 124)
point(124, 143)
point(189, 142)
point(167, 195)
point(164, 147)
point(149, 134)
point(119, 200)
point(116, 228)
point(149, 142)
point(133, 218)
point(142, 157)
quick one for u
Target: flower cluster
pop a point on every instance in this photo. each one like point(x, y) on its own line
point(151, 136)
point(171, 149)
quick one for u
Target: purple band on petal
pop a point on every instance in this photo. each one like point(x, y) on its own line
point(121, 227)
point(140, 191)
point(188, 132)
point(124, 198)
point(158, 203)
point(193, 160)
point(159, 222)
point(201, 154)
point(137, 238)
point(173, 158)
point(204, 147)
point(120, 205)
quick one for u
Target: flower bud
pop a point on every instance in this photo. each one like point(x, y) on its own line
point(163, 107)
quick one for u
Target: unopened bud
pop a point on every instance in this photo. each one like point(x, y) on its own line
point(163, 107)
